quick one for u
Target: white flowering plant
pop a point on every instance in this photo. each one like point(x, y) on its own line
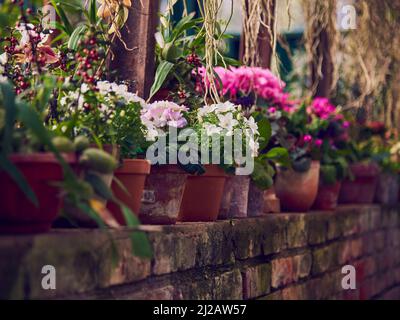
point(226, 119)
point(107, 114)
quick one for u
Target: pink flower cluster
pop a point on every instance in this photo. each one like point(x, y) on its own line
point(244, 81)
point(322, 108)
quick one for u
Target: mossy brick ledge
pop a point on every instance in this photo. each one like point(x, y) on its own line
point(280, 256)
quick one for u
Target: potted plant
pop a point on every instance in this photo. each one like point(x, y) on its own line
point(109, 115)
point(212, 124)
point(36, 167)
point(255, 89)
point(297, 185)
point(360, 186)
point(385, 154)
point(163, 122)
point(331, 134)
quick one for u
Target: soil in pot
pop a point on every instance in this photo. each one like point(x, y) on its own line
point(132, 175)
point(17, 213)
point(387, 189)
point(203, 194)
point(163, 194)
point(360, 190)
point(327, 197)
point(297, 190)
point(235, 197)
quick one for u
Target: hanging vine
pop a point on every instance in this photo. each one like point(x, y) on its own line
point(209, 11)
point(321, 40)
point(257, 14)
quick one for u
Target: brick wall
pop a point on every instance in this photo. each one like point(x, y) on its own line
point(297, 256)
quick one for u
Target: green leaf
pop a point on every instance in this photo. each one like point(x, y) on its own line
point(265, 130)
point(163, 70)
point(19, 179)
point(261, 177)
point(92, 12)
point(130, 218)
point(279, 155)
point(76, 36)
point(61, 13)
point(10, 116)
point(141, 245)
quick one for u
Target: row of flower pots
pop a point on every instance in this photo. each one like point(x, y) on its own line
point(171, 195)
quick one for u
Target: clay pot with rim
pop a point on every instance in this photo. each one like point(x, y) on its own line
point(17, 213)
point(327, 196)
point(360, 189)
point(163, 194)
point(132, 175)
point(235, 197)
point(203, 195)
point(297, 190)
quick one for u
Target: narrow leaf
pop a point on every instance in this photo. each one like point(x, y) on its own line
point(163, 70)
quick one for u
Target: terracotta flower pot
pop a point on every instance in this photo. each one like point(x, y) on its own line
point(297, 190)
point(17, 213)
point(235, 197)
point(132, 175)
point(387, 189)
point(361, 190)
point(163, 194)
point(203, 194)
point(327, 197)
point(256, 201)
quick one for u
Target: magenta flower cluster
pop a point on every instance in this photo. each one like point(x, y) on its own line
point(322, 108)
point(245, 81)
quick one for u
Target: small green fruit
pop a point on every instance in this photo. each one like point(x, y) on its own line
point(63, 144)
point(98, 160)
point(86, 189)
point(81, 143)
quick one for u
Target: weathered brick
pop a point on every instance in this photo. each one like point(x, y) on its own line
point(256, 281)
point(275, 239)
point(297, 233)
point(248, 237)
point(283, 272)
point(317, 228)
point(379, 240)
point(296, 292)
point(173, 252)
point(349, 250)
point(302, 265)
point(164, 293)
point(334, 229)
point(214, 246)
point(277, 295)
point(325, 258)
point(228, 286)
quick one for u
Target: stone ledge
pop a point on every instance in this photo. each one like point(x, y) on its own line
point(310, 243)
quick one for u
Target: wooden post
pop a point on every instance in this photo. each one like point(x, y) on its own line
point(137, 66)
point(264, 39)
